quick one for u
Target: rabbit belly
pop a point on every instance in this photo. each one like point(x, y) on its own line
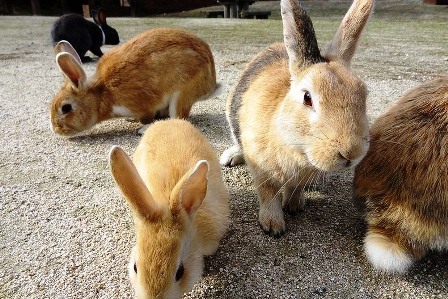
point(121, 111)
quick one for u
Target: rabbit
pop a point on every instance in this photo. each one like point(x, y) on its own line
point(84, 35)
point(158, 73)
point(402, 183)
point(179, 204)
point(295, 113)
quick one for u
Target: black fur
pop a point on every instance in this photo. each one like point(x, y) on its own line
point(84, 35)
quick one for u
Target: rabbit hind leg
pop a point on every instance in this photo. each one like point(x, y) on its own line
point(179, 105)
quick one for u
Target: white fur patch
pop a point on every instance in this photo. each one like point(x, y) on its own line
point(174, 98)
point(286, 129)
point(386, 255)
point(232, 156)
point(104, 36)
point(121, 111)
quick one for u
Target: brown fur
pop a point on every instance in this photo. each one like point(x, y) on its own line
point(286, 144)
point(187, 226)
point(139, 75)
point(402, 183)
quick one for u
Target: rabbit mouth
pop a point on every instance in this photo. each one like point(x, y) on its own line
point(65, 130)
point(332, 163)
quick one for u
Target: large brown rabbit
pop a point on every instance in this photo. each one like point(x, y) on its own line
point(179, 203)
point(160, 72)
point(296, 113)
point(402, 183)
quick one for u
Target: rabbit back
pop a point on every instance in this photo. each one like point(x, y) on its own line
point(275, 56)
point(159, 73)
point(168, 150)
point(156, 68)
point(402, 183)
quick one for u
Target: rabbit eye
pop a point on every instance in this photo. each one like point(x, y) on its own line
point(66, 108)
point(135, 268)
point(180, 272)
point(307, 101)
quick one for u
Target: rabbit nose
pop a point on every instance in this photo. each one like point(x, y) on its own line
point(352, 153)
point(348, 162)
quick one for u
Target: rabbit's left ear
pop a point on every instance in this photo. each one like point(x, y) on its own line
point(65, 46)
point(346, 38)
point(71, 69)
point(299, 37)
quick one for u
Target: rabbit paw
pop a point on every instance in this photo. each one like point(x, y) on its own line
point(232, 156)
point(271, 219)
point(385, 254)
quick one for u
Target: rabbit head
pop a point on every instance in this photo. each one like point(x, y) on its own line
point(74, 107)
point(163, 263)
point(110, 34)
point(323, 114)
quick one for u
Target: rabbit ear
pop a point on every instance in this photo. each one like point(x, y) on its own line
point(193, 188)
point(99, 17)
point(131, 185)
point(70, 67)
point(347, 36)
point(298, 34)
point(65, 46)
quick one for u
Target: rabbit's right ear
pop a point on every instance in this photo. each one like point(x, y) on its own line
point(71, 68)
point(65, 46)
point(99, 17)
point(347, 36)
point(299, 37)
point(131, 185)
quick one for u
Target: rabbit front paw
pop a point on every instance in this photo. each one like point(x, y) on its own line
point(232, 156)
point(271, 218)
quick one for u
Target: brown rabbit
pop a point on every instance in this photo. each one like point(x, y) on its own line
point(402, 183)
point(179, 203)
point(160, 72)
point(296, 113)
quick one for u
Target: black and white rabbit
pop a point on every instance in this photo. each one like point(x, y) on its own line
point(84, 35)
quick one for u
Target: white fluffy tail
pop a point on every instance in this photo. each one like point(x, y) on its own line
point(386, 255)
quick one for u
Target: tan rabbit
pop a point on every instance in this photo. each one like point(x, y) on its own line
point(158, 73)
point(296, 113)
point(179, 203)
point(402, 183)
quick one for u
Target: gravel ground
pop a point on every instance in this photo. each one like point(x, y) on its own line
point(65, 232)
